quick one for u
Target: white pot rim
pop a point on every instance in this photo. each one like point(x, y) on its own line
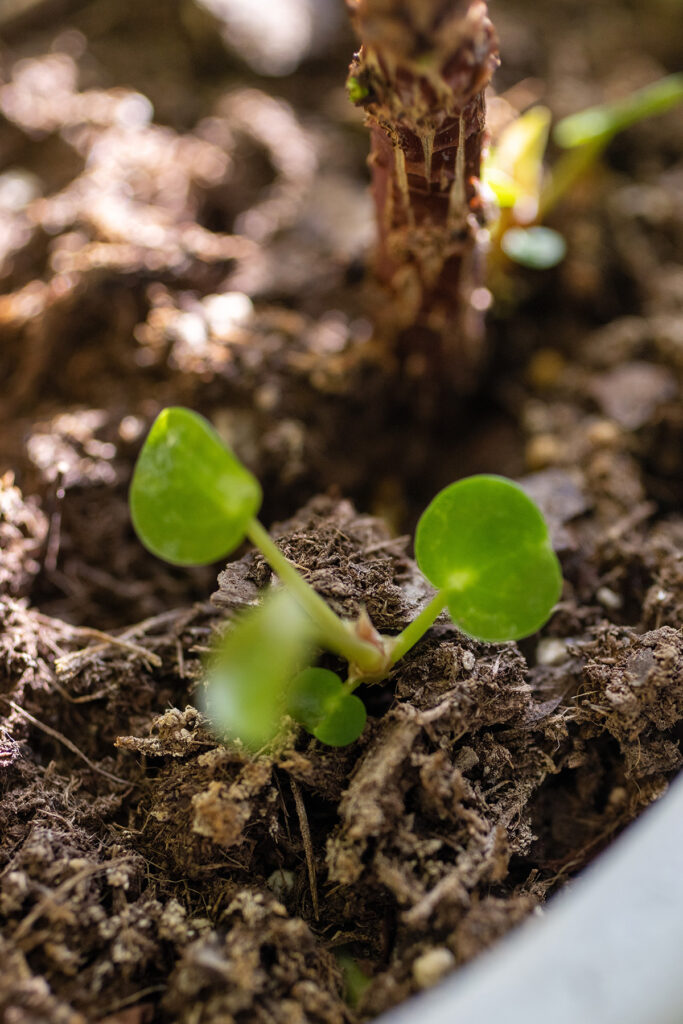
point(609, 949)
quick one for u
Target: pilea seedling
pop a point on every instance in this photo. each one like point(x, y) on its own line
point(482, 543)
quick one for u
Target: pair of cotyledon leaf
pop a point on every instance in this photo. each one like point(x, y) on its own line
point(481, 542)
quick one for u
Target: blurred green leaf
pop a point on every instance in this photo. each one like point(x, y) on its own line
point(356, 980)
point(250, 672)
point(601, 123)
point(505, 188)
point(356, 90)
point(309, 694)
point(537, 247)
point(191, 500)
point(514, 169)
point(319, 700)
point(484, 542)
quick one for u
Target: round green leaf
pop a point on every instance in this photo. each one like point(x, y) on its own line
point(310, 693)
point(320, 702)
point(250, 670)
point(343, 723)
point(191, 500)
point(536, 247)
point(486, 544)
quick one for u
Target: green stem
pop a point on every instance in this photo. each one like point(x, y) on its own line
point(336, 634)
point(569, 168)
point(418, 627)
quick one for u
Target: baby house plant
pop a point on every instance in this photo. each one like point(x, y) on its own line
point(482, 543)
point(178, 882)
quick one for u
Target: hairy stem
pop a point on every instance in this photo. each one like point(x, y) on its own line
point(418, 627)
point(336, 634)
point(420, 76)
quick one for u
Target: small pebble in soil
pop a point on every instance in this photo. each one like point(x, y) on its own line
point(608, 599)
point(468, 660)
point(280, 883)
point(551, 651)
point(432, 966)
point(603, 434)
point(544, 450)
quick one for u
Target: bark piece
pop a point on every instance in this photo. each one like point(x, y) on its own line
point(420, 76)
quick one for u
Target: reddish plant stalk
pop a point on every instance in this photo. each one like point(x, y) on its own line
point(420, 76)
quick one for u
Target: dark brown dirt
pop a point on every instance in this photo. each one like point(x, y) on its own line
point(148, 873)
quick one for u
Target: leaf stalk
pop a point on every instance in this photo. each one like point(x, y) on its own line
point(418, 627)
point(334, 632)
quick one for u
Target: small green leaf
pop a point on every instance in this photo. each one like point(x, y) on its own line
point(504, 187)
point(343, 723)
point(356, 981)
point(250, 670)
point(485, 543)
point(514, 169)
point(601, 123)
point(191, 500)
point(356, 90)
point(321, 703)
point(537, 247)
point(309, 694)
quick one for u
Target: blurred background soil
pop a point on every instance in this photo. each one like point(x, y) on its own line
point(184, 219)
